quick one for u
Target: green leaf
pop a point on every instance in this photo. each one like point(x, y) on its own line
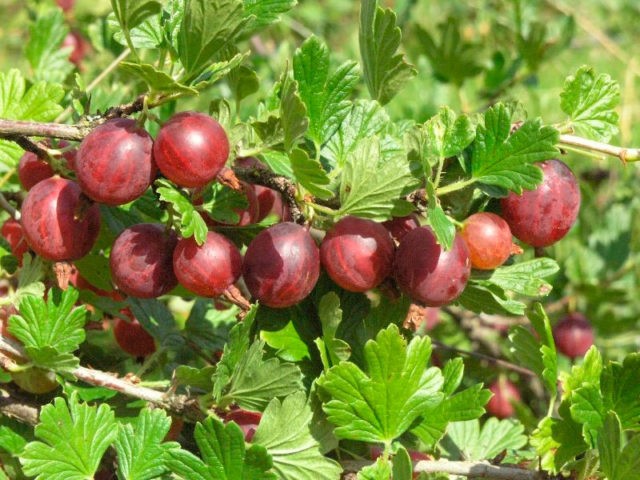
point(234, 351)
point(444, 135)
point(628, 467)
point(402, 465)
point(156, 80)
point(11, 441)
point(590, 101)
point(483, 297)
point(30, 279)
point(310, 174)
point(526, 278)
point(293, 113)
point(587, 408)
point(609, 442)
point(466, 440)
point(131, 13)
point(149, 34)
point(364, 120)
point(621, 390)
point(50, 331)
point(326, 98)
point(224, 456)
point(40, 103)
point(330, 315)
point(222, 203)
point(243, 82)
point(73, 436)
point(255, 381)
point(157, 320)
point(284, 431)
point(588, 372)
point(266, 12)
point(381, 404)
point(453, 59)
point(380, 470)
point(373, 186)
point(48, 60)
point(207, 28)
point(440, 223)
point(191, 222)
point(207, 328)
point(506, 160)
point(558, 441)
point(385, 71)
point(141, 455)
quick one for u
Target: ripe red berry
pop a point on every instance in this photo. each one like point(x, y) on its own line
point(58, 222)
point(207, 269)
point(357, 253)
point(13, 233)
point(114, 164)
point(132, 337)
point(190, 149)
point(504, 392)
point(32, 170)
point(270, 202)
point(488, 239)
point(141, 260)
point(281, 265)
point(248, 421)
point(573, 335)
point(542, 216)
point(66, 5)
point(399, 226)
point(428, 273)
point(79, 47)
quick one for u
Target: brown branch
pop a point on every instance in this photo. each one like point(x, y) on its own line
point(15, 405)
point(280, 183)
point(491, 360)
point(178, 404)
point(624, 154)
point(14, 129)
point(465, 469)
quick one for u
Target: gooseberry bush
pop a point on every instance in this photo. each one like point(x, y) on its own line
point(250, 239)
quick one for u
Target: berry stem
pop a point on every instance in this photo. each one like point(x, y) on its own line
point(624, 154)
point(452, 187)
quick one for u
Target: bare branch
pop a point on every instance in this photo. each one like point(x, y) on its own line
point(465, 469)
point(179, 404)
point(13, 129)
point(624, 154)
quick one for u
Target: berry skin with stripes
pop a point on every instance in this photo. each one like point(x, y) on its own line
point(357, 253)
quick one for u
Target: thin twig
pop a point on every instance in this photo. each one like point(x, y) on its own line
point(493, 361)
point(5, 205)
point(13, 404)
point(179, 404)
point(466, 469)
point(10, 129)
point(624, 154)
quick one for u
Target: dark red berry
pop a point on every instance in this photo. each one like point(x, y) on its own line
point(357, 253)
point(270, 202)
point(66, 5)
point(79, 47)
point(399, 226)
point(132, 337)
point(488, 239)
point(542, 216)
point(426, 272)
point(142, 261)
point(12, 231)
point(32, 170)
point(504, 393)
point(114, 164)
point(281, 265)
point(191, 148)
point(573, 335)
point(248, 421)
point(207, 269)
point(58, 221)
